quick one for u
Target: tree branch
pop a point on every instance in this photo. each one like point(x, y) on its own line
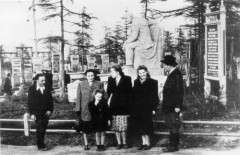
point(51, 16)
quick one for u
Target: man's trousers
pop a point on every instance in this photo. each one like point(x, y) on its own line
point(41, 126)
point(173, 122)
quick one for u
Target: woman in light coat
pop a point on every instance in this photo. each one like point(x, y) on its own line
point(85, 94)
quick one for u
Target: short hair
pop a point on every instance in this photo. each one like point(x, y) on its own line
point(39, 75)
point(99, 91)
point(142, 67)
point(118, 68)
point(90, 70)
point(8, 74)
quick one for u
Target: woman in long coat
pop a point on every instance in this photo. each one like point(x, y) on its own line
point(146, 99)
point(85, 94)
point(119, 90)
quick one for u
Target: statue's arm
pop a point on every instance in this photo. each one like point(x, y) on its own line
point(134, 34)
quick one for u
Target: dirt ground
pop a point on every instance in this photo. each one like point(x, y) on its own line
point(67, 150)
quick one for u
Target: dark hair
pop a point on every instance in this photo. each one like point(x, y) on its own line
point(8, 74)
point(99, 91)
point(118, 68)
point(90, 70)
point(142, 67)
point(38, 75)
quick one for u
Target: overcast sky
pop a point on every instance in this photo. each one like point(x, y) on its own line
point(16, 24)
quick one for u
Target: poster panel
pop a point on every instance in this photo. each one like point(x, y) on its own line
point(90, 61)
point(37, 64)
point(105, 62)
point(28, 71)
point(16, 71)
point(16, 67)
point(56, 63)
point(74, 59)
point(212, 51)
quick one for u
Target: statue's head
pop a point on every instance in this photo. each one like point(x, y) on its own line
point(128, 16)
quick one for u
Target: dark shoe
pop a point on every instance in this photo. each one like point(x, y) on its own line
point(102, 148)
point(165, 145)
point(170, 149)
point(43, 149)
point(86, 147)
point(98, 148)
point(125, 146)
point(119, 146)
point(141, 147)
point(147, 147)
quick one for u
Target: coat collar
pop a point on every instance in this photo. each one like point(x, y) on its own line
point(173, 72)
point(120, 81)
point(86, 84)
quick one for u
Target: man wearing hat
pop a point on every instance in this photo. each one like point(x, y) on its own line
point(172, 102)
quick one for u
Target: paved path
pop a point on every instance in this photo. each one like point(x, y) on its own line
point(76, 150)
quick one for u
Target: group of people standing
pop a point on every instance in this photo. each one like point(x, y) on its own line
point(121, 103)
point(113, 108)
point(99, 113)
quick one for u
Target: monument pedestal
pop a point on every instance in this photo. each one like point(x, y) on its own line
point(130, 71)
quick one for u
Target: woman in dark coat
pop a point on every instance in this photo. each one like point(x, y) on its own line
point(119, 90)
point(146, 99)
point(100, 118)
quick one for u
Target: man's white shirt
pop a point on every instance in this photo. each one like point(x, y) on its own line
point(40, 88)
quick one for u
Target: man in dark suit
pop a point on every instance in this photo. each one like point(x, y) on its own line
point(172, 101)
point(40, 106)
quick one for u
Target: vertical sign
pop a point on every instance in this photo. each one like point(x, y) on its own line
point(90, 61)
point(37, 64)
point(28, 71)
point(74, 59)
point(56, 63)
point(105, 62)
point(16, 71)
point(212, 51)
point(16, 67)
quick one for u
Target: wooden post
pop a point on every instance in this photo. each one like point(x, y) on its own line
point(26, 124)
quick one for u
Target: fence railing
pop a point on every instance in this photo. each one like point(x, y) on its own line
point(27, 127)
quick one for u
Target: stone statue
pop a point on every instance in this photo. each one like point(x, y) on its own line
point(142, 46)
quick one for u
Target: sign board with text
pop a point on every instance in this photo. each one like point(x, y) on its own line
point(55, 63)
point(74, 59)
point(16, 71)
point(212, 51)
point(90, 61)
point(105, 62)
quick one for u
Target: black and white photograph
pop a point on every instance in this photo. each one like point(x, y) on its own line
point(119, 77)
